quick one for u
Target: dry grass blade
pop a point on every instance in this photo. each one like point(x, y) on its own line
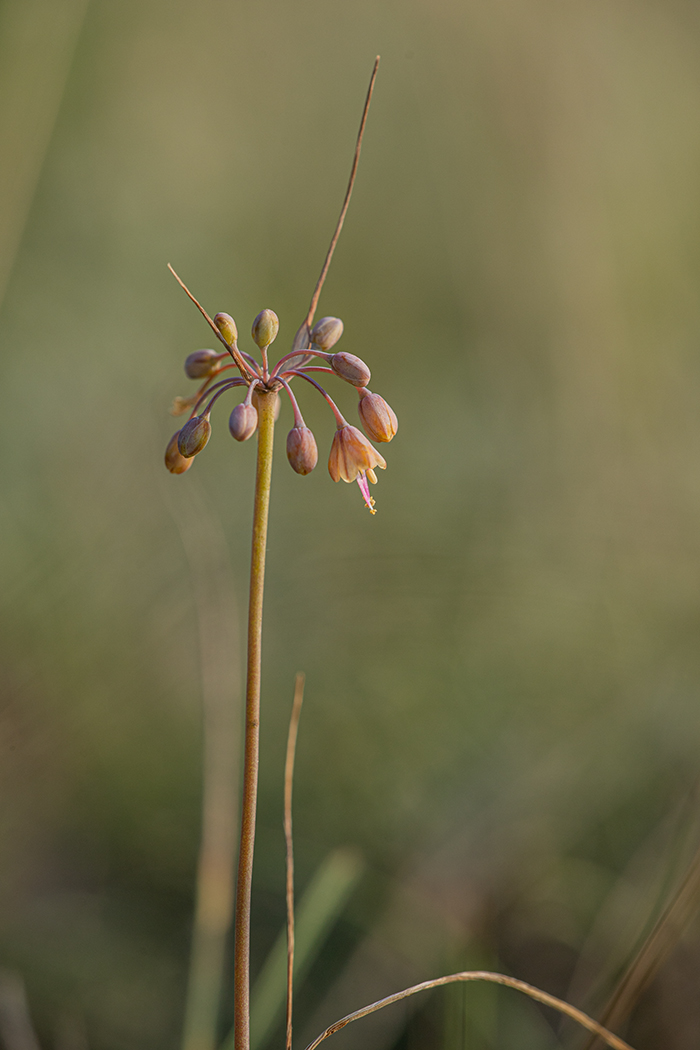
point(289, 841)
point(348, 194)
point(656, 947)
point(537, 994)
point(244, 370)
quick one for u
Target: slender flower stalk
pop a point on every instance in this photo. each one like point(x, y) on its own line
point(261, 506)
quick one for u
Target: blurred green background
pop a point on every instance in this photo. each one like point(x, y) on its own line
point(503, 665)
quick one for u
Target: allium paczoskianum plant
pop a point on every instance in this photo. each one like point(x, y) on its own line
point(352, 458)
point(312, 357)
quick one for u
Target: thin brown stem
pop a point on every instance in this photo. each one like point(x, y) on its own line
point(339, 417)
point(348, 194)
point(241, 973)
point(233, 350)
point(537, 994)
point(298, 418)
point(289, 842)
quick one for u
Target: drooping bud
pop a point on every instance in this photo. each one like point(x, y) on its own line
point(243, 422)
point(326, 332)
point(200, 363)
point(302, 451)
point(194, 436)
point(351, 369)
point(378, 418)
point(265, 328)
point(227, 326)
point(176, 463)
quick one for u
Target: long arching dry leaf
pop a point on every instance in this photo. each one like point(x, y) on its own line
point(584, 1020)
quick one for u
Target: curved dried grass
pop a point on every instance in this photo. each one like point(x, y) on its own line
point(545, 998)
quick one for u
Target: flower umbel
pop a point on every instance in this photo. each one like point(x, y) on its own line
point(352, 456)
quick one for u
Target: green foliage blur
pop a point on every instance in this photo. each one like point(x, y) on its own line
point(503, 668)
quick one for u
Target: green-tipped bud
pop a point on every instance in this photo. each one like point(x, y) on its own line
point(194, 436)
point(302, 451)
point(227, 326)
point(378, 418)
point(351, 369)
point(201, 363)
point(265, 328)
point(243, 422)
point(176, 463)
point(326, 332)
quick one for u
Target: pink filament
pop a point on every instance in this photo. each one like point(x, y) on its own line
point(364, 489)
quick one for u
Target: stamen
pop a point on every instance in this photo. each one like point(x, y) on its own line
point(364, 489)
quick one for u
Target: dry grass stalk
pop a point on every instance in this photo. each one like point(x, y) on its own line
point(537, 994)
point(289, 843)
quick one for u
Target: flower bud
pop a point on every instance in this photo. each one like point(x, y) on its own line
point(265, 328)
point(351, 369)
point(243, 422)
point(227, 326)
point(378, 418)
point(200, 363)
point(326, 332)
point(194, 436)
point(176, 463)
point(302, 451)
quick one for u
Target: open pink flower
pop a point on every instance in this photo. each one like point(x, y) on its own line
point(353, 458)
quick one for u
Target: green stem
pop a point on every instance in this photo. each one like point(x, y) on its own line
point(241, 972)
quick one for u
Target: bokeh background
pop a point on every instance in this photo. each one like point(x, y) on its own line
point(503, 671)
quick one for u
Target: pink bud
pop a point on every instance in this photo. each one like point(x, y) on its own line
point(200, 363)
point(350, 368)
point(326, 332)
point(302, 451)
point(378, 418)
point(243, 422)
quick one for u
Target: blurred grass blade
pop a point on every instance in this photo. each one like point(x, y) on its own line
point(206, 551)
point(318, 911)
point(16, 1027)
point(665, 934)
point(37, 43)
